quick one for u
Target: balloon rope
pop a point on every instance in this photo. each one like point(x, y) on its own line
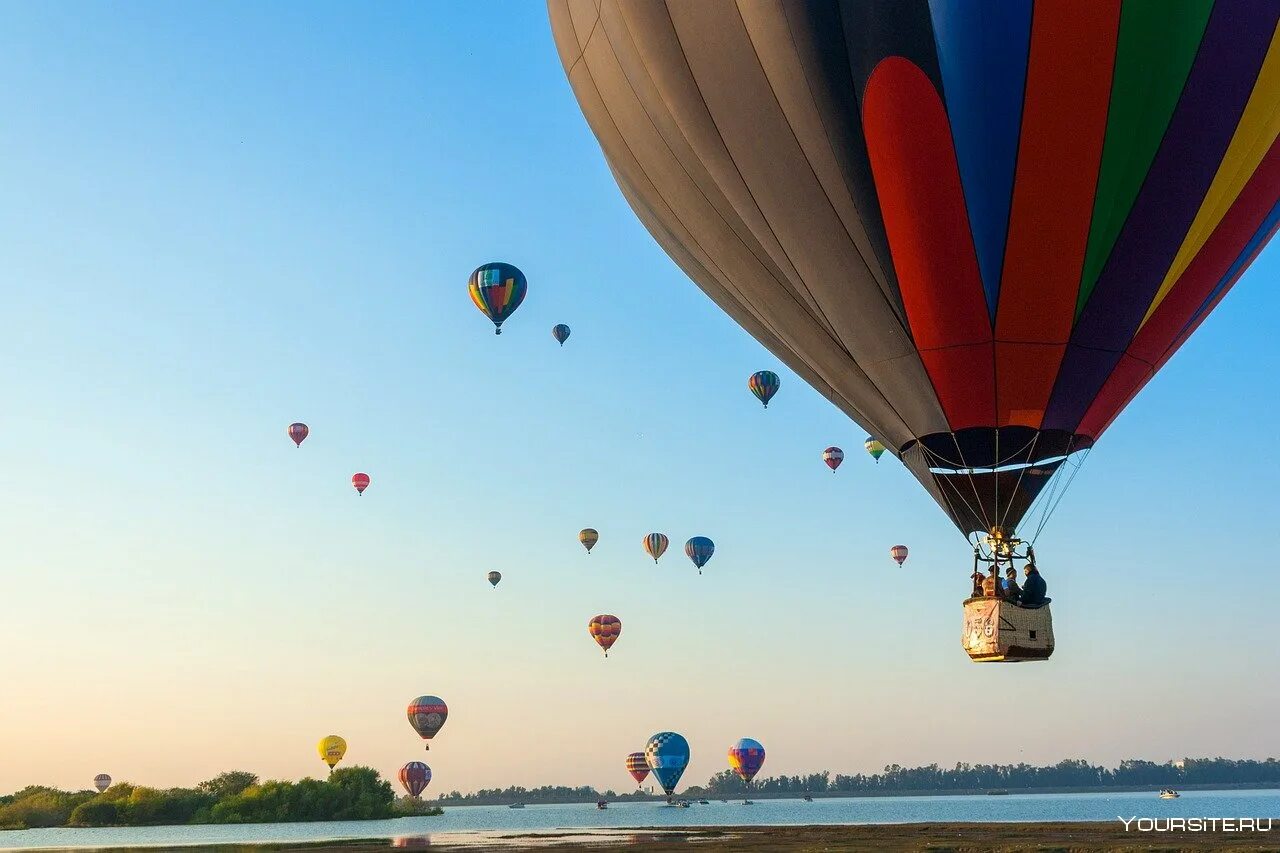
point(1021, 473)
point(1063, 491)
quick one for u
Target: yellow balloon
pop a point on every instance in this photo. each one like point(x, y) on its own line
point(331, 749)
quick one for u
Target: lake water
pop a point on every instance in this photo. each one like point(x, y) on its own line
point(467, 819)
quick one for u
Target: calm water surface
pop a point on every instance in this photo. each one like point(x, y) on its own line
point(463, 819)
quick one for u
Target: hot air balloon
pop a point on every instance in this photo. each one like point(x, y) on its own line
point(699, 549)
point(415, 777)
point(560, 332)
point(494, 577)
point(297, 432)
point(331, 749)
point(667, 755)
point(497, 289)
point(875, 448)
point(833, 456)
point(361, 482)
point(588, 536)
point(427, 715)
point(764, 384)
point(605, 630)
point(655, 545)
point(746, 757)
point(637, 767)
point(977, 228)
point(899, 553)
point(102, 782)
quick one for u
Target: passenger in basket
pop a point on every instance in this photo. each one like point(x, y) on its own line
point(1011, 590)
point(976, 577)
point(991, 584)
point(1034, 588)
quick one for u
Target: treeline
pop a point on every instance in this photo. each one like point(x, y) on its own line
point(517, 794)
point(1064, 774)
point(353, 793)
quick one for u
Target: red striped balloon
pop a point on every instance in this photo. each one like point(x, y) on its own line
point(361, 482)
point(899, 553)
point(298, 432)
point(638, 767)
point(605, 629)
point(415, 777)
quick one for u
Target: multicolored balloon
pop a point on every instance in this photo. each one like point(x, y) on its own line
point(560, 332)
point(415, 777)
point(637, 767)
point(588, 536)
point(297, 432)
point(102, 781)
point(667, 755)
point(764, 384)
point(331, 749)
point(899, 553)
point(875, 448)
point(746, 757)
point(361, 482)
point(655, 545)
point(605, 630)
point(494, 577)
point(497, 289)
point(427, 715)
point(699, 549)
point(833, 456)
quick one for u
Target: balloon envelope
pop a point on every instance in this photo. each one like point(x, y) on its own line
point(497, 289)
point(655, 545)
point(560, 332)
point(588, 536)
point(637, 767)
point(899, 553)
point(875, 448)
point(102, 782)
point(977, 230)
point(605, 630)
point(415, 777)
point(667, 755)
point(361, 482)
point(746, 757)
point(699, 549)
point(331, 749)
point(494, 577)
point(427, 715)
point(764, 384)
point(833, 456)
point(297, 432)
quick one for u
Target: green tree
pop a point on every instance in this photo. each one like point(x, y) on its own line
point(228, 784)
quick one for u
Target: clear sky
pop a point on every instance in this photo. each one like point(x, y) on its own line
point(216, 219)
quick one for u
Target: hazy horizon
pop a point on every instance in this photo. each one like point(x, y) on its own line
point(221, 219)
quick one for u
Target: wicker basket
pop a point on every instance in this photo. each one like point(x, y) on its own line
point(997, 631)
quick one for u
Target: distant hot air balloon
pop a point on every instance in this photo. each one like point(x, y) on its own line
point(588, 536)
point(655, 545)
point(745, 758)
point(637, 767)
point(494, 577)
point(497, 289)
point(699, 549)
point(427, 715)
point(560, 332)
point(875, 448)
point(899, 553)
point(102, 782)
point(764, 384)
point(331, 749)
point(415, 777)
point(667, 755)
point(361, 482)
point(297, 432)
point(833, 456)
point(605, 630)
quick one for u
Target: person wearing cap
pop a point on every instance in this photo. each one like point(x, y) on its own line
point(1011, 590)
point(1034, 588)
point(976, 577)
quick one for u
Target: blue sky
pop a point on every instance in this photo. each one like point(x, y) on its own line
point(221, 218)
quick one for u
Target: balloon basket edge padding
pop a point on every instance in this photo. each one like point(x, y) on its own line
point(998, 631)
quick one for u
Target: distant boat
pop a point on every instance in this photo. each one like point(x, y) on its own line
point(808, 799)
point(516, 806)
point(997, 793)
point(684, 804)
point(1169, 794)
point(704, 802)
point(602, 804)
point(748, 802)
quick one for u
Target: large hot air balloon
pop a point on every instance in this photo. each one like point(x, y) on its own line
point(588, 536)
point(560, 332)
point(297, 432)
point(699, 549)
point(361, 482)
point(833, 456)
point(331, 749)
point(764, 384)
point(875, 448)
point(746, 757)
point(637, 767)
point(667, 755)
point(605, 630)
point(655, 545)
point(977, 228)
point(102, 782)
point(427, 715)
point(415, 777)
point(899, 554)
point(494, 577)
point(497, 289)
